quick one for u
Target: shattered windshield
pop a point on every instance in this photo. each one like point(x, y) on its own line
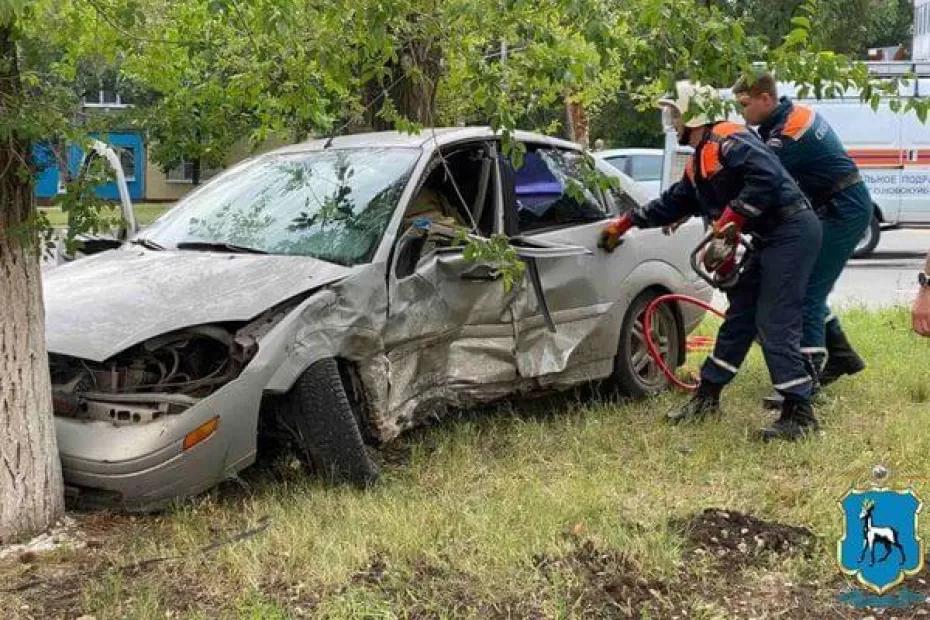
point(332, 205)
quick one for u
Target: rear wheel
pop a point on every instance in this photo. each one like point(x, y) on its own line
point(322, 419)
point(635, 372)
point(869, 239)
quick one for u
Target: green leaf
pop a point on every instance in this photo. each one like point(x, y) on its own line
point(11, 9)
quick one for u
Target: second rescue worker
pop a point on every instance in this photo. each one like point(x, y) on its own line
point(733, 179)
point(812, 152)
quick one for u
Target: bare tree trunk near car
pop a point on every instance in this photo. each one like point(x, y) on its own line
point(31, 489)
point(577, 121)
point(413, 81)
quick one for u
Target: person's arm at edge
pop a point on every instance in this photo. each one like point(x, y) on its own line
point(920, 314)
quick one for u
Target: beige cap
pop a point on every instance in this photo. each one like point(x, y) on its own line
point(686, 92)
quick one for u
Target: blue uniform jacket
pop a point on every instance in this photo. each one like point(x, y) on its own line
point(730, 167)
point(809, 148)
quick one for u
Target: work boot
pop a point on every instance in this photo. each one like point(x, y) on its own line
point(797, 420)
point(704, 402)
point(813, 362)
point(842, 359)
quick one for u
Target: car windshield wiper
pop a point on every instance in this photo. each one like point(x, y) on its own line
point(218, 245)
point(147, 243)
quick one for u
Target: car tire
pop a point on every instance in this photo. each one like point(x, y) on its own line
point(869, 240)
point(635, 373)
point(319, 414)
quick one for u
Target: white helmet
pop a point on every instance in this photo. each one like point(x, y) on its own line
point(686, 92)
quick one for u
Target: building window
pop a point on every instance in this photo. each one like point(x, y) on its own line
point(184, 173)
point(104, 99)
point(127, 159)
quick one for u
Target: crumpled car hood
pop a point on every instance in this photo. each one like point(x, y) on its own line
point(99, 306)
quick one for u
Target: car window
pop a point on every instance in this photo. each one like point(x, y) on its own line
point(646, 167)
point(552, 190)
point(333, 205)
point(457, 192)
point(618, 199)
point(620, 162)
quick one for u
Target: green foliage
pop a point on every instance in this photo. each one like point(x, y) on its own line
point(86, 212)
point(208, 74)
point(10, 9)
point(846, 26)
point(495, 251)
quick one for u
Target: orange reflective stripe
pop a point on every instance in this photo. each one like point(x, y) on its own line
point(799, 121)
point(727, 128)
point(710, 159)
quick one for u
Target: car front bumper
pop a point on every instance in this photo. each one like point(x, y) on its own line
point(144, 466)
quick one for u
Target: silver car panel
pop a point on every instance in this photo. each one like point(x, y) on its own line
point(116, 299)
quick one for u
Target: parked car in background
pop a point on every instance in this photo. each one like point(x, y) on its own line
point(319, 291)
point(642, 165)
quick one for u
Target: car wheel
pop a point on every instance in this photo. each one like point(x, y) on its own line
point(635, 372)
point(320, 416)
point(869, 239)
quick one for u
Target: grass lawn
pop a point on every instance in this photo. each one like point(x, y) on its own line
point(146, 213)
point(552, 508)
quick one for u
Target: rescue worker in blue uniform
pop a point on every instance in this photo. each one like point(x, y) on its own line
point(734, 180)
point(812, 152)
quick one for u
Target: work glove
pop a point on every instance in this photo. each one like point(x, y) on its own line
point(611, 233)
point(729, 224)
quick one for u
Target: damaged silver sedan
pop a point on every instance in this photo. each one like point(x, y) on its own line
point(319, 290)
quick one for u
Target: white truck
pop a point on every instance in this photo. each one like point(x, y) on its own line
point(891, 149)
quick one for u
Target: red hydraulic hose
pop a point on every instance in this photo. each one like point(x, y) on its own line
point(651, 345)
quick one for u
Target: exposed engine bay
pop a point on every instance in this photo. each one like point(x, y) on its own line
point(162, 376)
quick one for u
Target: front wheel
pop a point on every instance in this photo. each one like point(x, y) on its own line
point(635, 372)
point(321, 417)
point(869, 239)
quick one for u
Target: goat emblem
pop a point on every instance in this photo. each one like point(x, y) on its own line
point(887, 536)
point(880, 545)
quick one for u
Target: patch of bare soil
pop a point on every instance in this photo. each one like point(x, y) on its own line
point(607, 584)
point(51, 586)
point(729, 569)
point(430, 590)
point(737, 540)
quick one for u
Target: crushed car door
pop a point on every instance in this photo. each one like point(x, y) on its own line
point(583, 292)
point(450, 334)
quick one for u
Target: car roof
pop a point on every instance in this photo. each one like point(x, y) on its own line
point(427, 138)
point(633, 151)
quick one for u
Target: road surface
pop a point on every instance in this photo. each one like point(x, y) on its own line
point(887, 277)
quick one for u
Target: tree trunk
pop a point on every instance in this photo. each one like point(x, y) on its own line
point(31, 489)
point(577, 120)
point(413, 81)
